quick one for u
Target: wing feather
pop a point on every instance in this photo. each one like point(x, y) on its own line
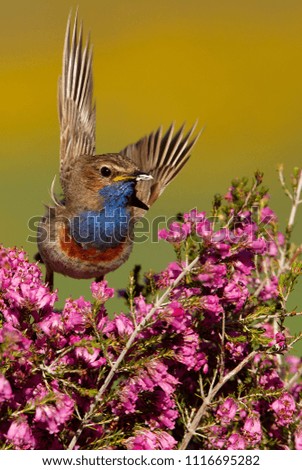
point(75, 101)
point(163, 156)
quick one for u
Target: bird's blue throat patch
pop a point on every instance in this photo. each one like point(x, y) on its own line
point(108, 227)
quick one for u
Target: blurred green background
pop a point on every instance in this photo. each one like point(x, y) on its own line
point(234, 65)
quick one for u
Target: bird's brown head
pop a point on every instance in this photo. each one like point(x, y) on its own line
point(103, 176)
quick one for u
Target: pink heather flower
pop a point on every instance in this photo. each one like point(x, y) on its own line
point(221, 236)
point(123, 325)
point(180, 293)
point(163, 234)
point(52, 324)
point(242, 235)
point(21, 283)
point(144, 439)
point(142, 308)
point(74, 315)
point(242, 413)
point(174, 270)
point(37, 297)
point(268, 330)
point(279, 341)
point(101, 291)
point(160, 376)
point(237, 351)
point(223, 249)
point(5, 389)
point(294, 363)
point(240, 279)
point(284, 408)
point(245, 217)
point(211, 303)
point(204, 229)
point(235, 292)
point(165, 441)
point(20, 434)
point(167, 276)
point(258, 246)
point(153, 378)
point(10, 315)
point(270, 290)
point(217, 437)
point(272, 249)
point(194, 216)
point(175, 316)
point(120, 326)
point(281, 239)
point(14, 340)
point(252, 430)
point(72, 320)
point(213, 275)
point(53, 416)
point(53, 327)
point(269, 379)
point(127, 397)
point(52, 410)
point(187, 351)
point(236, 442)
point(296, 391)
point(267, 216)
point(91, 357)
point(227, 411)
point(177, 232)
point(298, 439)
point(244, 263)
point(212, 310)
point(229, 195)
point(186, 229)
point(164, 414)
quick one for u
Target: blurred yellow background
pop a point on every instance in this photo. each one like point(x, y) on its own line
point(235, 65)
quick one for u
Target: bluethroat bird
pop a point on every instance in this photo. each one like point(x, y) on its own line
point(89, 232)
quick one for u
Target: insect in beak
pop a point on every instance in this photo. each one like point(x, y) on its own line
point(143, 177)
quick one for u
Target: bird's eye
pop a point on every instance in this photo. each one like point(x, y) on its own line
point(105, 171)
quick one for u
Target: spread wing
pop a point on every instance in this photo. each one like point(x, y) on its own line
point(163, 156)
point(76, 108)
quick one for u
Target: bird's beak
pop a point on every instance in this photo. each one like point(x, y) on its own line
point(135, 202)
point(136, 176)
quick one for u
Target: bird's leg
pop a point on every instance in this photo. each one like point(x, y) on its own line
point(99, 278)
point(38, 258)
point(49, 278)
point(49, 272)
